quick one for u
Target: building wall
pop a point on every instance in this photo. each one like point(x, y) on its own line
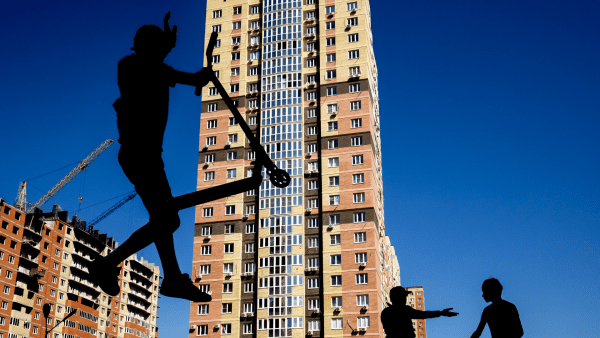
point(284, 225)
point(417, 300)
point(49, 266)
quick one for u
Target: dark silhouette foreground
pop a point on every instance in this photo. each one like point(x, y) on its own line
point(396, 318)
point(501, 316)
point(142, 112)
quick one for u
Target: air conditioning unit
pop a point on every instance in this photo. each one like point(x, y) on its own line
point(309, 209)
point(363, 264)
point(348, 25)
point(205, 146)
point(317, 311)
point(229, 274)
point(355, 330)
point(209, 236)
point(198, 276)
point(247, 215)
point(366, 307)
point(236, 44)
point(228, 143)
point(330, 226)
point(193, 327)
point(363, 329)
point(251, 273)
point(310, 333)
point(217, 326)
point(209, 292)
point(244, 315)
point(338, 309)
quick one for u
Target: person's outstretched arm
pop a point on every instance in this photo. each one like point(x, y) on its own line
point(479, 329)
point(199, 79)
point(416, 314)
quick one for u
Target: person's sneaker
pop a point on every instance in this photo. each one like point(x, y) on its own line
point(183, 287)
point(107, 277)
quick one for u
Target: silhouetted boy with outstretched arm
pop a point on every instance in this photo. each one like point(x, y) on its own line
point(396, 319)
point(142, 112)
point(501, 316)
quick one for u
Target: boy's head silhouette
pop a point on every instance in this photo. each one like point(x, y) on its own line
point(149, 42)
point(398, 295)
point(492, 290)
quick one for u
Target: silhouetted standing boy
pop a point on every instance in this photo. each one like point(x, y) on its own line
point(501, 316)
point(396, 319)
point(142, 112)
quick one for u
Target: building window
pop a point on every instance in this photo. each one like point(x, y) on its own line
point(311, 96)
point(207, 212)
point(234, 88)
point(249, 248)
point(313, 283)
point(362, 278)
point(332, 144)
point(203, 309)
point(206, 230)
point(313, 166)
point(232, 155)
point(353, 37)
point(236, 25)
point(336, 280)
point(330, 10)
point(335, 239)
point(253, 71)
point(362, 300)
point(254, 9)
point(354, 88)
point(335, 259)
point(313, 184)
point(235, 56)
point(353, 54)
point(313, 242)
point(354, 72)
point(313, 222)
point(310, 47)
point(313, 304)
point(313, 203)
point(334, 199)
point(248, 287)
point(352, 6)
point(356, 141)
point(202, 330)
point(330, 42)
point(357, 159)
point(311, 130)
point(355, 105)
point(355, 123)
point(331, 91)
point(363, 322)
point(211, 141)
point(334, 162)
point(332, 126)
point(235, 72)
point(250, 228)
point(216, 28)
point(227, 287)
point(360, 237)
point(206, 250)
point(228, 229)
point(252, 120)
point(228, 268)
point(217, 14)
point(360, 257)
point(359, 197)
point(226, 328)
point(352, 22)
point(216, 59)
point(248, 329)
point(336, 324)
point(330, 25)
point(332, 108)
point(334, 181)
point(358, 178)
point(311, 63)
point(334, 219)
point(231, 173)
point(251, 209)
point(211, 124)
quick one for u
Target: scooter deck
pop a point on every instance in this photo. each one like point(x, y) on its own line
point(214, 193)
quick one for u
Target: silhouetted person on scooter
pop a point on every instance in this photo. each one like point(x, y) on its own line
point(501, 316)
point(396, 318)
point(142, 112)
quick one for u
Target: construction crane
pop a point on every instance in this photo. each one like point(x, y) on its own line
point(113, 208)
point(22, 195)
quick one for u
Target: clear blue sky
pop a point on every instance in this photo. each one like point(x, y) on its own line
point(491, 155)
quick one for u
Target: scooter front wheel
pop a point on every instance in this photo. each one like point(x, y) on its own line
point(280, 178)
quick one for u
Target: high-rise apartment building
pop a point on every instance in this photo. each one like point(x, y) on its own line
point(43, 260)
point(417, 301)
point(311, 258)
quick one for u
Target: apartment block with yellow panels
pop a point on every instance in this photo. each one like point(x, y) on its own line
point(45, 262)
point(312, 258)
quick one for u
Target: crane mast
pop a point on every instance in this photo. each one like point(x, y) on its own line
point(82, 165)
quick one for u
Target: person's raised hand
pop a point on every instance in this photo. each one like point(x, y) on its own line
point(171, 35)
point(448, 313)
